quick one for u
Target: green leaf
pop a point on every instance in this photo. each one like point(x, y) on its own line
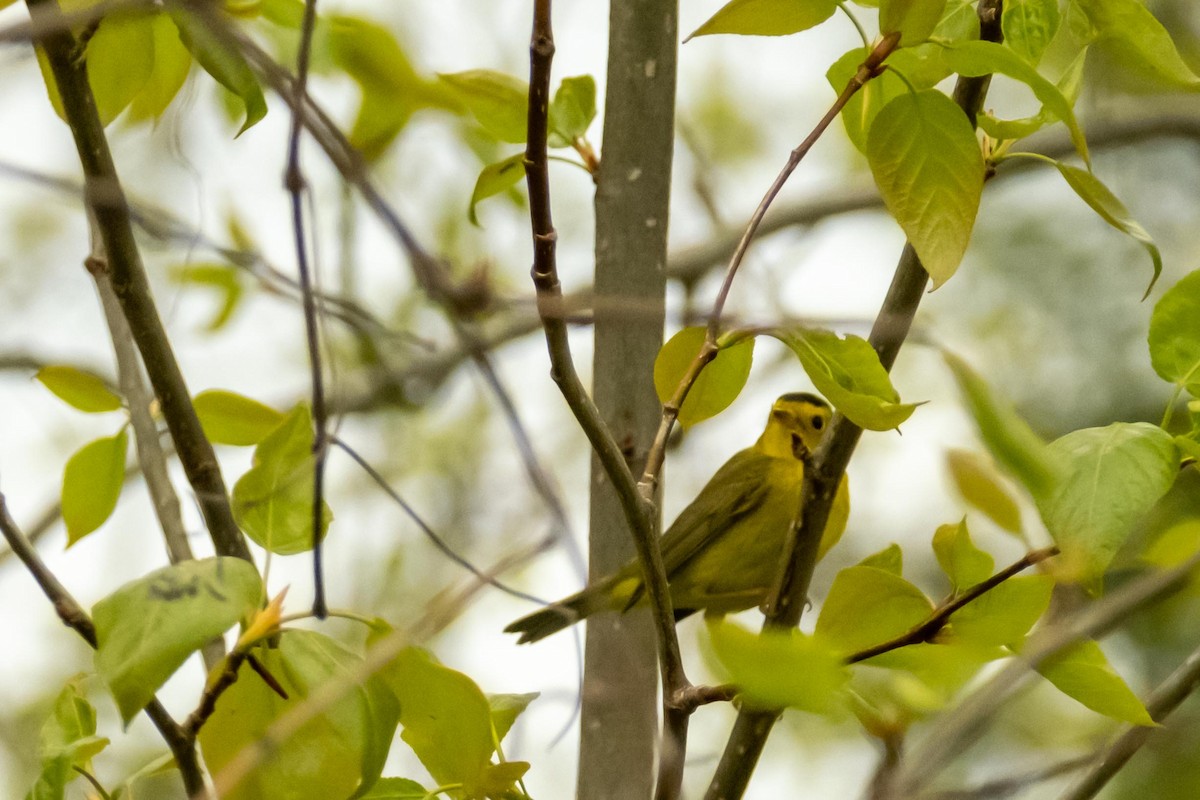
point(120, 60)
point(1003, 615)
point(446, 718)
point(335, 754)
point(391, 88)
point(927, 164)
point(78, 389)
point(766, 17)
point(172, 63)
point(92, 483)
point(1111, 210)
point(913, 19)
point(505, 710)
point(964, 563)
point(1070, 84)
point(939, 669)
point(498, 102)
point(959, 23)
point(848, 373)
point(980, 485)
point(226, 280)
point(1174, 338)
point(867, 606)
point(780, 669)
point(223, 62)
point(1115, 474)
point(68, 740)
point(1029, 25)
point(149, 627)
point(273, 501)
point(573, 110)
point(717, 386)
point(230, 418)
point(1139, 42)
point(921, 70)
point(889, 559)
point(494, 179)
point(975, 59)
point(1008, 438)
point(1083, 673)
point(396, 789)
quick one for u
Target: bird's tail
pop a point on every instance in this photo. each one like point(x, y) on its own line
point(563, 614)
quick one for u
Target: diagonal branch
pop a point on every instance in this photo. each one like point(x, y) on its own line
point(106, 199)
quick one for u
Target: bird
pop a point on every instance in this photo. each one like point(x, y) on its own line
point(722, 552)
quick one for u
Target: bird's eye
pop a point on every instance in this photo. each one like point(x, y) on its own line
point(818, 423)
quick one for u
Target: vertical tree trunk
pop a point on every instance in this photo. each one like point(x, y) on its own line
point(620, 708)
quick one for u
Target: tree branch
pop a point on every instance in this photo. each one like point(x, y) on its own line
point(106, 200)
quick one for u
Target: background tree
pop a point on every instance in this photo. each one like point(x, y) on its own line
point(294, 328)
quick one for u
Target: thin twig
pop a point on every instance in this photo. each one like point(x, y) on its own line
point(1006, 787)
point(430, 534)
point(74, 617)
point(926, 630)
point(106, 199)
point(823, 476)
point(297, 187)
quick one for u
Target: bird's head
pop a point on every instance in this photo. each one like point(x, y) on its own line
point(797, 422)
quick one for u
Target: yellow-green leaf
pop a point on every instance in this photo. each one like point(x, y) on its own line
point(172, 63)
point(497, 101)
point(573, 110)
point(766, 17)
point(718, 385)
point(78, 389)
point(1003, 615)
point(223, 62)
point(848, 373)
point(146, 629)
point(1093, 192)
point(1175, 337)
point(1139, 42)
point(980, 485)
point(224, 279)
point(929, 169)
point(273, 502)
point(1083, 673)
point(92, 483)
point(964, 563)
point(494, 179)
point(780, 669)
point(1029, 25)
point(867, 606)
point(230, 418)
point(889, 559)
point(914, 20)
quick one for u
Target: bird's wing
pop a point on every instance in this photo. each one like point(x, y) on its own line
point(743, 480)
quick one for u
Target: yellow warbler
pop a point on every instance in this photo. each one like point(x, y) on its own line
point(722, 553)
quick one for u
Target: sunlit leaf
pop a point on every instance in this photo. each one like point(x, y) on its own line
point(766, 17)
point(498, 102)
point(1008, 438)
point(964, 563)
point(79, 389)
point(396, 789)
point(914, 20)
point(718, 385)
point(1139, 42)
point(149, 627)
point(273, 502)
point(780, 669)
point(979, 484)
point(929, 169)
point(1114, 475)
point(1004, 614)
point(573, 109)
point(223, 278)
point(867, 606)
point(1082, 672)
point(1093, 192)
point(230, 418)
point(223, 62)
point(1029, 25)
point(172, 63)
point(505, 710)
point(1175, 337)
point(335, 754)
point(848, 373)
point(494, 179)
point(92, 484)
point(889, 559)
